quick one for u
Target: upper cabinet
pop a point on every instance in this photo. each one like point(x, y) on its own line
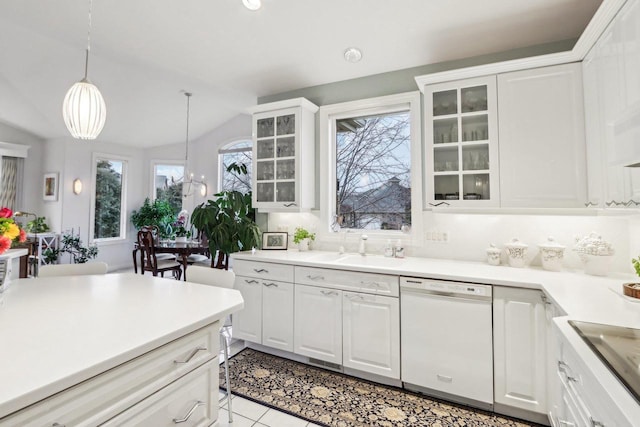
point(461, 140)
point(542, 145)
point(284, 156)
point(612, 112)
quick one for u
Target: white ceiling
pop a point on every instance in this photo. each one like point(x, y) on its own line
point(144, 52)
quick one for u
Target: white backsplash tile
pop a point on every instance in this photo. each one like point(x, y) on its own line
point(471, 234)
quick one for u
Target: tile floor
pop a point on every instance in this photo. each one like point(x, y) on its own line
point(247, 414)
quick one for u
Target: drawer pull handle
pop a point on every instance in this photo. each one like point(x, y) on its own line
point(352, 296)
point(573, 379)
point(269, 285)
point(315, 277)
point(596, 423)
point(191, 355)
point(562, 367)
point(444, 378)
point(58, 425)
point(250, 281)
point(563, 423)
point(260, 270)
point(545, 299)
point(288, 205)
point(191, 411)
point(365, 283)
point(328, 293)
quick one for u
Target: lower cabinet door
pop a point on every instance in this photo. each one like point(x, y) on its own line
point(519, 354)
point(318, 323)
point(247, 323)
point(371, 334)
point(191, 401)
point(277, 315)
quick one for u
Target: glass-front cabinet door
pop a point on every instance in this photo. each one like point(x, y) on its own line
point(462, 143)
point(279, 155)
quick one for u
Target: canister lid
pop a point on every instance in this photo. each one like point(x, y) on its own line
point(551, 244)
point(515, 243)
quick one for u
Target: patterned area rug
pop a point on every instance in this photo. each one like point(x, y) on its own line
point(337, 400)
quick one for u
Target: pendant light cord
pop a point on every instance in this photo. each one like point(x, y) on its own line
point(86, 61)
point(186, 155)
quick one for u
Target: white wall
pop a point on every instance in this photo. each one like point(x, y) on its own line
point(32, 189)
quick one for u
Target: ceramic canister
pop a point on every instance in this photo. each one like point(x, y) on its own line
point(493, 254)
point(552, 254)
point(517, 252)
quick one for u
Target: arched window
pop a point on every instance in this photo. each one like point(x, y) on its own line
point(235, 152)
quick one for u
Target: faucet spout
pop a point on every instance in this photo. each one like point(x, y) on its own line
point(362, 249)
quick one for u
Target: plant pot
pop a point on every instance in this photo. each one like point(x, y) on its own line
point(597, 265)
point(304, 245)
point(182, 239)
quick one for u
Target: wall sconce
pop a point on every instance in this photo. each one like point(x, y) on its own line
point(77, 186)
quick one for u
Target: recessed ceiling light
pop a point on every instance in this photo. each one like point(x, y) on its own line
point(252, 4)
point(353, 54)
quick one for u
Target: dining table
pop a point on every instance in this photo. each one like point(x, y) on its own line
point(182, 250)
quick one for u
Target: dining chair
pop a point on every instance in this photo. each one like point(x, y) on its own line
point(151, 262)
point(200, 259)
point(222, 279)
point(53, 270)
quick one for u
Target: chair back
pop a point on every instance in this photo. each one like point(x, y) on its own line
point(146, 240)
point(211, 276)
point(53, 270)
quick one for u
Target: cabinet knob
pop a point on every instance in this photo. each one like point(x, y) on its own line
point(191, 411)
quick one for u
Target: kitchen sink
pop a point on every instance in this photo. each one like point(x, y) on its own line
point(328, 257)
point(370, 260)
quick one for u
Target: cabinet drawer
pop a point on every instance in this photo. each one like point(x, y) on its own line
point(263, 270)
point(372, 283)
point(192, 398)
point(97, 399)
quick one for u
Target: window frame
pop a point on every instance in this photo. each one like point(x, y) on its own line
point(123, 198)
point(409, 101)
point(226, 149)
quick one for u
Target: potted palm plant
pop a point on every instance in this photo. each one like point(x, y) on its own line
point(228, 222)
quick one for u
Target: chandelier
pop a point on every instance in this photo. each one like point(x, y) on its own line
point(190, 184)
point(83, 108)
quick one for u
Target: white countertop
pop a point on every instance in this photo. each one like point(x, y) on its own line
point(56, 332)
point(582, 297)
point(14, 253)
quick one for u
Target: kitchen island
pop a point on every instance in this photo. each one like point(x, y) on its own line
point(85, 350)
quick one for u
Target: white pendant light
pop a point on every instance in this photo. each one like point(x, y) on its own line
point(191, 183)
point(252, 4)
point(83, 109)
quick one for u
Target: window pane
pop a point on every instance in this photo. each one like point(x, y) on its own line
point(108, 202)
point(373, 165)
point(232, 180)
point(168, 185)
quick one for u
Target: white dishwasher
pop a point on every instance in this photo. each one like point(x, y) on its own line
point(447, 340)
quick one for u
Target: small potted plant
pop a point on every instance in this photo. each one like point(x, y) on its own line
point(632, 289)
point(303, 238)
point(179, 228)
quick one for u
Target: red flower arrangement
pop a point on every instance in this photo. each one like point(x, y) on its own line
point(9, 231)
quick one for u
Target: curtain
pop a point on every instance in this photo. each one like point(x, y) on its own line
point(9, 182)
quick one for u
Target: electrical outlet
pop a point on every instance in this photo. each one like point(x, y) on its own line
point(437, 236)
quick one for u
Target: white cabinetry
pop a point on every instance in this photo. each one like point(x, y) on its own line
point(318, 323)
point(612, 113)
point(370, 333)
point(520, 350)
point(541, 128)
point(267, 317)
point(461, 140)
point(156, 386)
point(284, 155)
point(348, 318)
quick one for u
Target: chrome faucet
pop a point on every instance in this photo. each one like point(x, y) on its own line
point(362, 250)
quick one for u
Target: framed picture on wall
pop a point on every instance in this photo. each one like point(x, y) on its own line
point(50, 187)
point(274, 241)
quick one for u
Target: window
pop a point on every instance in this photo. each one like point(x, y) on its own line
point(236, 152)
point(107, 222)
point(167, 184)
point(371, 177)
point(373, 171)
